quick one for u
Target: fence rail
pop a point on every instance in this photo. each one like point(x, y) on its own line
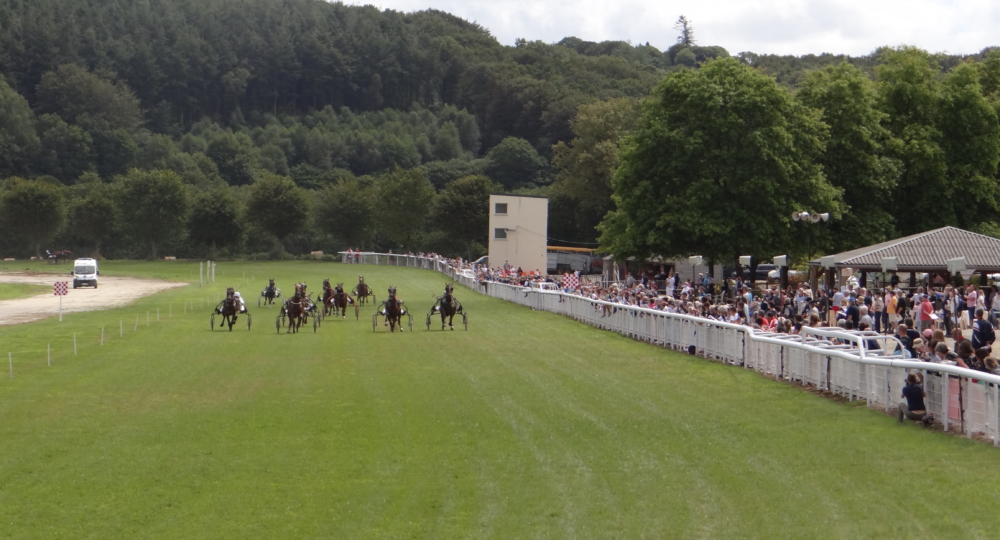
point(955, 396)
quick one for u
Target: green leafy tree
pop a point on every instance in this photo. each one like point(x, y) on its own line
point(32, 211)
point(235, 158)
point(514, 163)
point(19, 143)
point(441, 173)
point(970, 138)
point(402, 202)
point(215, 220)
point(344, 210)
point(78, 95)
point(94, 217)
point(462, 210)
point(277, 206)
point(683, 25)
point(721, 158)
point(855, 158)
point(588, 163)
point(910, 92)
point(153, 206)
point(66, 151)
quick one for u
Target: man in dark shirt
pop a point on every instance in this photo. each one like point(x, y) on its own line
point(853, 313)
point(913, 408)
point(982, 331)
point(905, 339)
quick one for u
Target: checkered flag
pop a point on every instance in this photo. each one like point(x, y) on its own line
point(571, 281)
point(60, 288)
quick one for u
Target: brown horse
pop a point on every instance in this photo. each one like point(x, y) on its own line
point(228, 309)
point(327, 297)
point(295, 308)
point(393, 310)
point(448, 306)
point(270, 292)
point(340, 301)
point(57, 257)
point(363, 291)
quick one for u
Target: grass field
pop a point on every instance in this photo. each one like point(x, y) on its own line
point(529, 425)
point(10, 291)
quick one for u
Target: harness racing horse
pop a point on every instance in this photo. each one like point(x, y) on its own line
point(448, 306)
point(295, 309)
point(228, 309)
point(327, 298)
point(56, 257)
point(393, 310)
point(340, 301)
point(270, 293)
point(363, 291)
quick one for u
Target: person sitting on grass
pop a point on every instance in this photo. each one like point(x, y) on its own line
point(913, 408)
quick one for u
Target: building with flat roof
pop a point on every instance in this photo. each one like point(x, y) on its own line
point(519, 227)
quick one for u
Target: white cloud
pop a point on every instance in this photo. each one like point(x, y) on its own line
point(764, 26)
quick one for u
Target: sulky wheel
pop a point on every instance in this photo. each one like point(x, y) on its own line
point(277, 324)
point(357, 312)
point(411, 321)
point(249, 320)
point(258, 302)
point(374, 322)
point(212, 322)
point(315, 324)
point(428, 321)
point(465, 321)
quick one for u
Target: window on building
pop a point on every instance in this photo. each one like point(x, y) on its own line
point(500, 233)
point(501, 208)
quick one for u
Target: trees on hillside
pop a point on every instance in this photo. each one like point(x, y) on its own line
point(215, 220)
point(154, 207)
point(277, 206)
point(18, 141)
point(721, 158)
point(514, 163)
point(401, 202)
point(32, 211)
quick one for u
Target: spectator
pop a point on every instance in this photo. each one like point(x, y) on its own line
point(926, 314)
point(982, 331)
point(940, 353)
point(905, 340)
point(991, 365)
point(865, 319)
point(913, 408)
point(966, 354)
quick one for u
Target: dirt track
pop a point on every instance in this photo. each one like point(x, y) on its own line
point(113, 292)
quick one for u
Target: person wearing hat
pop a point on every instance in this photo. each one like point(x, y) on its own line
point(239, 303)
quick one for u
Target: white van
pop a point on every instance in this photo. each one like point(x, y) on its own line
point(85, 273)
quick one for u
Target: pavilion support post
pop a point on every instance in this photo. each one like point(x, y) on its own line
point(813, 278)
point(913, 279)
point(830, 283)
point(984, 279)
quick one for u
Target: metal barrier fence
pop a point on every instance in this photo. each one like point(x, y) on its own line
point(844, 367)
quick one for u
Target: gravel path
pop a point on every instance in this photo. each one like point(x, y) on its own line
point(112, 292)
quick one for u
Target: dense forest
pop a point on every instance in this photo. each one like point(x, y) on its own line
point(262, 128)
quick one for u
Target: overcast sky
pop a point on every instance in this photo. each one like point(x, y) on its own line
point(796, 27)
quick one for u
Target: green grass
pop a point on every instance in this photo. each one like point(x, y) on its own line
point(529, 425)
point(10, 291)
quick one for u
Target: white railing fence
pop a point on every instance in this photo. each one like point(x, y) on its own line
point(845, 367)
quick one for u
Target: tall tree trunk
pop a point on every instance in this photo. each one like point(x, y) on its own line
point(152, 246)
point(97, 250)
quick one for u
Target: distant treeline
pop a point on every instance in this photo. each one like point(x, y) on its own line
point(223, 93)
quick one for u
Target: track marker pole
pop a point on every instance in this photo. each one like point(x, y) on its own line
point(74, 344)
point(136, 329)
point(121, 328)
point(147, 319)
point(10, 357)
point(157, 314)
point(102, 336)
point(170, 311)
point(48, 349)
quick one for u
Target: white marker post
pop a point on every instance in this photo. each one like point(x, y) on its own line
point(10, 357)
point(136, 329)
point(60, 289)
point(157, 314)
point(48, 349)
point(102, 336)
point(147, 319)
point(74, 344)
point(121, 328)
point(201, 269)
